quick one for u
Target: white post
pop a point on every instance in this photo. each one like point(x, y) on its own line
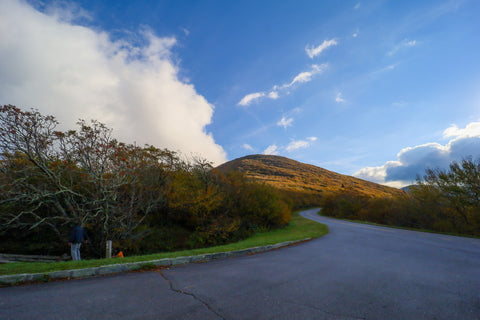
point(108, 251)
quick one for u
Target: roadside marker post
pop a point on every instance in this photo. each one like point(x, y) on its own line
point(108, 249)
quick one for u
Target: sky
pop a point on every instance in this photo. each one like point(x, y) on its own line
point(380, 90)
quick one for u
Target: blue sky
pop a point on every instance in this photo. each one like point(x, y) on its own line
point(376, 89)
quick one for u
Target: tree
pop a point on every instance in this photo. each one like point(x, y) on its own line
point(53, 178)
point(458, 188)
point(122, 192)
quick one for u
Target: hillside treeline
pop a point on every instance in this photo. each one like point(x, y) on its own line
point(444, 201)
point(145, 199)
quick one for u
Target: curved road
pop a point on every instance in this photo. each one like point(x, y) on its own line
point(355, 272)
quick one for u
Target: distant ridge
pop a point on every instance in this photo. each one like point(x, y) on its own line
point(300, 178)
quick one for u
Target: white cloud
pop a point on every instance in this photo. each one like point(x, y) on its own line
point(249, 98)
point(292, 146)
point(271, 150)
point(404, 44)
point(413, 161)
point(374, 174)
point(185, 31)
point(300, 144)
point(471, 130)
point(339, 98)
point(248, 147)
point(315, 51)
point(357, 6)
point(273, 94)
point(301, 77)
point(297, 144)
point(306, 76)
point(296, 110)
point(355, 34)
point(383, 70)
point(66, 11)
point(285, 122)
point(72, 72)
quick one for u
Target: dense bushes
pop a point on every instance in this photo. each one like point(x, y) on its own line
point(145, 199)
point(445, 201)
point(302, 199)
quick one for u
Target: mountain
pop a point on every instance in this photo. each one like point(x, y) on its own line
point(302, 179)
point(409, 188)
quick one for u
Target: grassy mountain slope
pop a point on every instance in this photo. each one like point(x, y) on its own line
point(302, 179)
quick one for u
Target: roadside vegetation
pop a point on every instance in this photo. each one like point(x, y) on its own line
point(144, 199)
point(299, 228)
point(153, 203)
point(445, 201)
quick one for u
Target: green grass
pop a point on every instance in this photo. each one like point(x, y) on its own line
point(298, 228)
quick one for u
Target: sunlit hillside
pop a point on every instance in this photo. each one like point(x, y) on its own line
point(303, 179)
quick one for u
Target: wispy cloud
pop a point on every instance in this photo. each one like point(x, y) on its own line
point(251, 97)
point(339, 98)
point(292, 146)
point(271, 150)
point(66, 11)
point(276, 90)
point(273, 95)
point(404, 44)
point(315, 51)
point(300, 144)
point(248, 147)
point(285, 122)
point(378, 72)
point(357, 6)
point(355, 34)
point(306, 76)
point(185, 31)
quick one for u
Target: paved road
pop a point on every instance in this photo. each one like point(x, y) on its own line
point(355, 272)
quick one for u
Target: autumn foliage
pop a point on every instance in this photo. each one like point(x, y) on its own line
point(145, 199)
point(444, 201)
point(304, 185)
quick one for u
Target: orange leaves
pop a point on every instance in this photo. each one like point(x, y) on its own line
point(116, 187)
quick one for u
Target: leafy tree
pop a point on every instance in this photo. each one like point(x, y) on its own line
point(444, 200)
point(53, 178)
point(143, 198)
point(458, 190)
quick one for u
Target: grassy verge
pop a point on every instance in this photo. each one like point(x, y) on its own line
point(299, 228)
point(400, 227)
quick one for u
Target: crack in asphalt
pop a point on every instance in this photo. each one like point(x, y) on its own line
point(191, 295)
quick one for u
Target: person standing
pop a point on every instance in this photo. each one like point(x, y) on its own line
point(77, 237)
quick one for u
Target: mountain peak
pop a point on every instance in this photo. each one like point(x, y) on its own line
point(301, 178)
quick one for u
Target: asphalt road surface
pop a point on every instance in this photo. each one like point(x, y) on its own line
point(355, 272)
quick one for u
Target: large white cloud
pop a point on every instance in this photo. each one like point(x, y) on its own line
point(413, 161)
point(72, 72)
